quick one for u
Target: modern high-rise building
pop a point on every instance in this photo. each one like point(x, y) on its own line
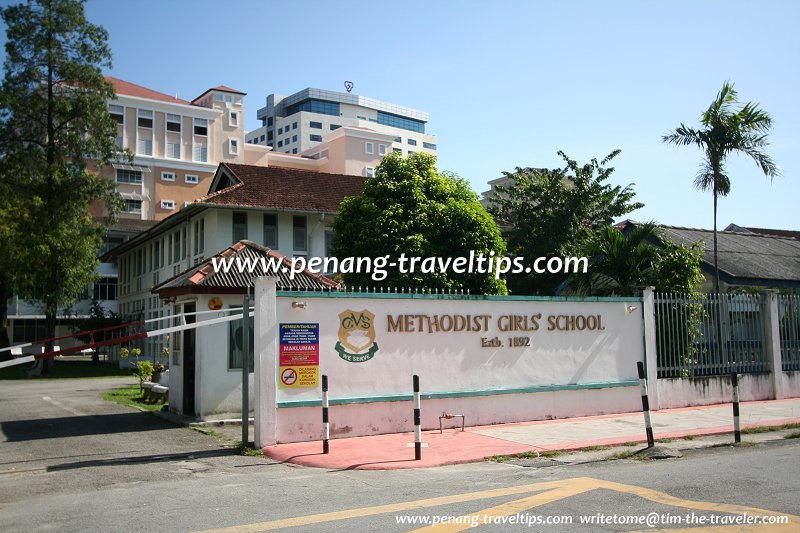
point(296, 123)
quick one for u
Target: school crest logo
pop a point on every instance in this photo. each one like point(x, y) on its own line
point(356, 336)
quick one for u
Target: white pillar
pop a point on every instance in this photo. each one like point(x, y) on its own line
point(772, 341)
point(265, 346)
point(650, 348)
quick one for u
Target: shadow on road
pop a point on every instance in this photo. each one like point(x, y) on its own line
point(78, 426)
point(155, 458)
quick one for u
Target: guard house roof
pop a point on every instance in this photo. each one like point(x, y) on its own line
point(202, 279)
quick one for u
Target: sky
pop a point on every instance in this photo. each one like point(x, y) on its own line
point(506, 83)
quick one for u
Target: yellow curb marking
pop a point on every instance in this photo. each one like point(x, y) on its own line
point(558, 490)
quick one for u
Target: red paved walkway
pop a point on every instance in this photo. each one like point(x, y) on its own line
point(383, 452)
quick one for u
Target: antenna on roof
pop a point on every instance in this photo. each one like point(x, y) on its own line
point(348, 85)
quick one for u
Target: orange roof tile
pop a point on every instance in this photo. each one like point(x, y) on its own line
point(131, 89)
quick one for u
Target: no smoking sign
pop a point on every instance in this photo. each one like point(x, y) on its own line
point(288, 377)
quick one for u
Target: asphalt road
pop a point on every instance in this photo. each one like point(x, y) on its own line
point(71, 462)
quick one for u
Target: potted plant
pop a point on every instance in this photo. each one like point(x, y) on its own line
point(158, 369)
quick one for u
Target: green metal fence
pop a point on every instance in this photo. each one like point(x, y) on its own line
point(709, 334)
point(789, 320)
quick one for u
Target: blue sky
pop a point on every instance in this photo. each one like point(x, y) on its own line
point(506, 83)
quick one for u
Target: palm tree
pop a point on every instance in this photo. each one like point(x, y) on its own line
point(726, 130)
point(620, 263)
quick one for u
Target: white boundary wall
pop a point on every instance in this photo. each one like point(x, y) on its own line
point(581, 361)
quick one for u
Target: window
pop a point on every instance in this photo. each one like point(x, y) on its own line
point(155, 257)
point(239, 226)
point(173, 150)
point(369, 148)
point(176, 246)
point(269, 121)
point(235, 337)
point(412, 142)
point(117, 112)
point(233, 119)
point(191, 178)
point(201, 153)
point(397, 121)
point(129, 176)
point(167, 176)
point(271, 231)
point(397, 150)
point(167, 204)
point(280, 143)
point(199, 236)
point(280, 131)
point(233, 146)
point(105, 289)
point(269, 134)
point(294, 138)
point(381, 149)
point(429, 146)
point(328, 243)
point(335, 127)
point(294, 150)
point(173, 123)
point(315, 125)
point(315, 138)
point(145, 118)
point(398, 139)
point(132, 206)
point(369, 172)
point(294, 125)
point(411, 152)
point(322, 107)
point(201, 127)
point(144, 147)
point(299, 234)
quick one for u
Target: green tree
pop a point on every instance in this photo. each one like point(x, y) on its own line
point(622, 263)
point(410, 208)
point(553, 212)
point(726, 128)
point(678, 268)
point(54, 121)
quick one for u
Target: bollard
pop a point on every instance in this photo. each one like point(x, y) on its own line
point(737, 434)
point(326, 429)
point(417, 429)
point(645, 405)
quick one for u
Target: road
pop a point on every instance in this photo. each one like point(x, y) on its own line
point(71, 462)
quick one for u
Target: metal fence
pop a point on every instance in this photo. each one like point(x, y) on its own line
point(789, 320)
point(709, 334)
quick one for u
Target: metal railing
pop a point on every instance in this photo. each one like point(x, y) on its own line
point(709, 334)
point(789, 326)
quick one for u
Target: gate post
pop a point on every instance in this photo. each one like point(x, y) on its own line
point(265, 353)
point(772, 341)
point(650, 346)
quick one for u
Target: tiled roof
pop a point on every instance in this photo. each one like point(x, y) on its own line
point(131, 89)
point(203, 278)
point(226, 89)
point(750, 257)
point(284, 188)
point(765, 231)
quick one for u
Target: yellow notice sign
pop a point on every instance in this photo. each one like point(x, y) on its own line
point(298, 377)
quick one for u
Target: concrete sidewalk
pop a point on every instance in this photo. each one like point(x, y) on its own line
point(382, 452)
